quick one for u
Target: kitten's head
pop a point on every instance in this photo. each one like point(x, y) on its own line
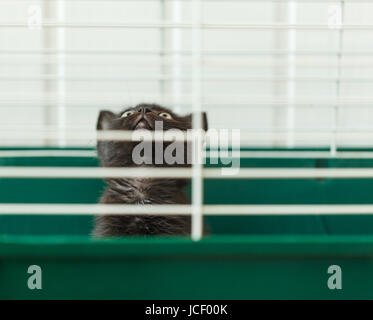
point(142, 116)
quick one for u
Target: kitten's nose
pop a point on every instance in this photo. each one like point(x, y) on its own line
point(144, 110)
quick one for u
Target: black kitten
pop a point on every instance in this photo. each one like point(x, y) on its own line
point(140, 190)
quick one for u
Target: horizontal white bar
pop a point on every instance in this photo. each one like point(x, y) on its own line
point(213, 154)
point(286, 209)
point(315, 136)
point(157, 51)
point(184, 173)
point(245, 136)
point(220, 78)
point(46, 153)
point(297, 154)
point(307, 1)
point(317, 1)
point(188, 25)
point(208, 62)
point(223, 210)
point(88, 172)
point(242, 105)
point(105, 135)
point(91, 100)
point(93, 209)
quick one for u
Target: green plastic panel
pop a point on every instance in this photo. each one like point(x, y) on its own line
point(253, 257)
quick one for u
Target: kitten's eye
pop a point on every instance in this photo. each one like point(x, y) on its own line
point(127, 114)
point(165, 115)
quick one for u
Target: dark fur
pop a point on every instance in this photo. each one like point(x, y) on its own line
point(140, 191)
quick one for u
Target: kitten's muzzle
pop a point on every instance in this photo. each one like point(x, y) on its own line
point(143, 122)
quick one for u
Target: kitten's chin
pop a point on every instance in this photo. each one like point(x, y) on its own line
point(143, 124)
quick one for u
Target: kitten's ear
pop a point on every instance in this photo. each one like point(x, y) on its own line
point(104, 119)
point(204, 120)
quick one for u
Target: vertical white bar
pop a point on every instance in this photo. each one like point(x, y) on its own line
point(163, 47)
point(197, 181)
point(291, 86)
point(176, 41)
point(335, 115)
point(48, 85)
point(61, 85)
point(280, 43)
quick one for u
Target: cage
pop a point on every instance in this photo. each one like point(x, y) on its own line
point(291, 77)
